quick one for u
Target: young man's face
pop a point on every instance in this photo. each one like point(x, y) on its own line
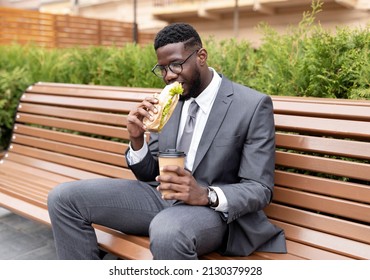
point(190, 76)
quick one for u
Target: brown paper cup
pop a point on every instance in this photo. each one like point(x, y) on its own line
point(170, 157)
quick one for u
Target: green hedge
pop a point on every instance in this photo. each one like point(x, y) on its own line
point(305, 61)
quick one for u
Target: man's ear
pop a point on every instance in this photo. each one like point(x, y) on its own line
point(202, 56)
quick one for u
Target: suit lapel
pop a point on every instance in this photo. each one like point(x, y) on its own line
point(215, 119)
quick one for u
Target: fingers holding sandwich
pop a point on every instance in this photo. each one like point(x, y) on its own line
point(146, 109)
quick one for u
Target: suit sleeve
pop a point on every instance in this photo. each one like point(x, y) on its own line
point(147, 169)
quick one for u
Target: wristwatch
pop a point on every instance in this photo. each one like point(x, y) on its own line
point(212, 197)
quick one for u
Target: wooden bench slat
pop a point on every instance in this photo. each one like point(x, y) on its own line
point(313, 253)
point(319, 185)
point(216, 256)
point(315, 109)
point(319, 222)
point(318, 100)
point(324, 241)
point(107, 240)
point(53, 167)
point(52, 86)
point(24, 208)
point(337, 147)
point(343, 208)
point(319, 126)
point(98, 129)
point(38, 183)
point(28, 190)
point(16, 192)
point(254, 256)
point(78, 140)
point(13, 190)
point(74, 102)
point(125, 93)
point(37, 171)
point(77, 151)
point(98, 92)
point(37, 189)
point(76, 114)
point(76, 165)
point(325, 165)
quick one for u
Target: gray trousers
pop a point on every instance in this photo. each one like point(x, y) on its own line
point(176, 230)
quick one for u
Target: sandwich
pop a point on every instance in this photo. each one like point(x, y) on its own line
point(167, 101)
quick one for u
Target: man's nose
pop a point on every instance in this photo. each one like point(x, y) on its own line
point(170, 75)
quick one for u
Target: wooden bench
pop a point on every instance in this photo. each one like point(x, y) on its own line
point(63, 132)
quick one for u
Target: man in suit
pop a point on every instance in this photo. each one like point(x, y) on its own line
point(218, 198)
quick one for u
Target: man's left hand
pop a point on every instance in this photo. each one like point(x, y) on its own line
point(182, 185)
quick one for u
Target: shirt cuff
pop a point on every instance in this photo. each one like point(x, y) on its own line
point(134, 157)
point(222, 201)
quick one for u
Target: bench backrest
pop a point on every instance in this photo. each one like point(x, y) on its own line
point(323, 173)
point(322, 192)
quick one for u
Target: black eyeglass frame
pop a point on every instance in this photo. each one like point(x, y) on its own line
point(163, 68)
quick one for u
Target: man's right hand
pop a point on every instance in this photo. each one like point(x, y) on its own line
point(135, 125)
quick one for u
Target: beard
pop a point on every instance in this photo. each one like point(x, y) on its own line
point(195, 86)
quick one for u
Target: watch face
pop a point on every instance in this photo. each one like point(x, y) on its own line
point(212, 197)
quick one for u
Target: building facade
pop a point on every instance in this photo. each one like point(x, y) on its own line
point(220, 19)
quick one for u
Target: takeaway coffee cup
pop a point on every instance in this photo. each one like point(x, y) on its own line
point(170, 157)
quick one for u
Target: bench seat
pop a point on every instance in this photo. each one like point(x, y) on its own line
point(66, 132)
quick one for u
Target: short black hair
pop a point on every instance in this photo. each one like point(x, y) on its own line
point(176, 33)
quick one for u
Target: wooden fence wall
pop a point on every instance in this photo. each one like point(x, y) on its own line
point(61, 31)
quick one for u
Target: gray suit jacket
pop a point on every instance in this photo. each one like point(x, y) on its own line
point(237, 154)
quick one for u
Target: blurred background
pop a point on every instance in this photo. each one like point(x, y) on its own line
point(219, 18)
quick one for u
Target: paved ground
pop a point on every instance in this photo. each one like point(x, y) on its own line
point(22, 239)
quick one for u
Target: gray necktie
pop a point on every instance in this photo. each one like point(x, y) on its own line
point(187, 134)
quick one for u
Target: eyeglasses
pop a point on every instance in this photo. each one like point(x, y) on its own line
point(175, 67)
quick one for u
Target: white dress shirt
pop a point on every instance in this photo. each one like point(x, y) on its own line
point(205, 102)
